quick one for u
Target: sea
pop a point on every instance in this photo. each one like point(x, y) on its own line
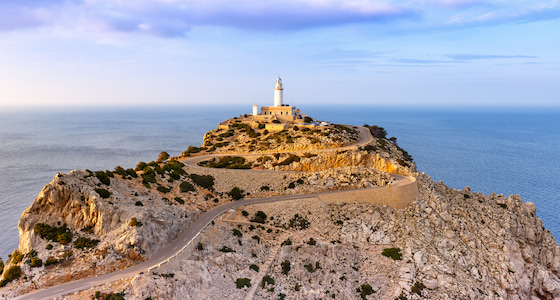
point(489, 149)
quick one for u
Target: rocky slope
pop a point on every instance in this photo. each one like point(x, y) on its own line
point(448, 244)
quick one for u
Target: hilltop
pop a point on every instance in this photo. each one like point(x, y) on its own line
point(444, 243)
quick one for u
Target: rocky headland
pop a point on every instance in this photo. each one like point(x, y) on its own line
point(446, 244)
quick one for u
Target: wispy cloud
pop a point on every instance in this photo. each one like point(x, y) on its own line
point(175, 17)
point(464, 57)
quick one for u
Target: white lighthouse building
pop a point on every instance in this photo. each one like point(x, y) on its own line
point(278, 93)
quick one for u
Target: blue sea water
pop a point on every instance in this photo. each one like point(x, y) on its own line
point(509, 151)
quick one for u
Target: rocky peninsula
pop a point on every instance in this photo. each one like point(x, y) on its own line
point(443, 244)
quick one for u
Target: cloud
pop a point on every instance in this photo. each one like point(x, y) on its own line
point(464, 57)
point(421, 61)
point(176, 17)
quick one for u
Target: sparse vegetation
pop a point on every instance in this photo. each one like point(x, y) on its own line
point(226, 249)
point(103, 193)
point(242, 282)
point(417, 288)
point(204, 181)
point(237, 233)
point(286, 267)
point(254, 267)
point(60, 234)
point(235, 193)
point(13, 273)
point(103, 177)
point(83, 242)
point(179, 200)
point(365, 290)
point(298, 222)
point(394, 253)
point(227, 162)
point(260, 217)
point(186, 186)
point(267, 280)
point(134, 222)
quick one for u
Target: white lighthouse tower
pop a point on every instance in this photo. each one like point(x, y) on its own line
point(278, 93)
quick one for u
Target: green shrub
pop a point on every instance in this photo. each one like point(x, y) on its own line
point(417, 288)
point(298, 222)
point(257, 238)
point(254, 267)
point(163, 156)
point(51, 261)
point(191, 149)
point(286, 267)
point(260, 217)
point(103, 193)
point(235, 193)
point(312, 242)
point(309, 268)
point(52, 233)
point(200, 246)
point(228, 162)
point(138, 203)
point(134, 222)
point(244, 213)
point(131, 172)
point(186, 186)
point(140, 166)
point(394, 253)
point(286, 242)
point(15, 257)
point(1, 266)
point(267, 280)
point(242, 282)
point(205, 181)
point(365, 290)
point(226, 249)
point(121, 171)
point(265, 188)
point(261, 126)
point(13, 273)
point(163, 189)
point(103, 177)
point(237, 233)
point(49, 246)
point(34, 262)
point(84, 242)
point(179, 200)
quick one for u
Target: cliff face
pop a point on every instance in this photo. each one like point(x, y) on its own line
point(455, 244)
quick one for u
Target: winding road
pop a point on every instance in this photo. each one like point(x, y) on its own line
point(189, 235)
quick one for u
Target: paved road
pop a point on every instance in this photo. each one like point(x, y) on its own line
point(187, 236)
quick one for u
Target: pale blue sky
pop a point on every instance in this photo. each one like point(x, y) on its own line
point(420, 52)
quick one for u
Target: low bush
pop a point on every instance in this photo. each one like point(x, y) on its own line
point(60, 234)
point(163, 189)
point(298, 222)
point(163, 156)
point(228, 162)
point(140, 166)
point(138, 203)
point(242, 282)
point(179, 200)
point(205, 181)
point(51, 261)
point(132, 173)
point(365, 290)
point(394, 253)
point(254, 267)
point(235, 193)
point(417, 288)
point(265, 188)
point(103, 177)
point(13, 273)
point(83, 242)
point(226, 249)
point(103, 193)
point(200, 246)
point(15, 257)
point(244, 213)
point(49, 246)
point(260, 217)
point(267, 280)
point(134, 222)
point(286, 267)
point(286, 242)
point(34, 262)
point(186, 186)
point(312, 242)
point(237, 233)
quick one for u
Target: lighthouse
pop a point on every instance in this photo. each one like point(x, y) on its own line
point(278, 93)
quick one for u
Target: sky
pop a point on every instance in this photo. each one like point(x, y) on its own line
point(208, 52)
